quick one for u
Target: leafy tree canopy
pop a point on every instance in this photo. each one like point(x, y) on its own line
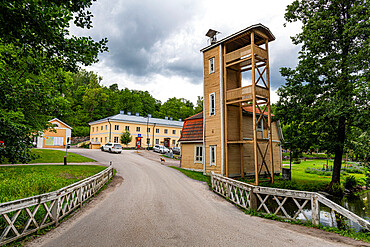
point(36, 50)
point(328, 92)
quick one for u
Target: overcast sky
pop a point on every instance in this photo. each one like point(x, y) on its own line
point(154, 45)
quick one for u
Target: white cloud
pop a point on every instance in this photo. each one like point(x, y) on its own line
point(154, 45)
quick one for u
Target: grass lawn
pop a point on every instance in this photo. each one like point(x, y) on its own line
point(56, 156)
point(194, 175)
point(18, 182)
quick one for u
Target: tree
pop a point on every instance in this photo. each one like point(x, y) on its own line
point(199, 107)
point(328, 92)
point(126, 138)
point(36, 50)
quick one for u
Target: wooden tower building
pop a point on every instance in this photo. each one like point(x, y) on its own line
point(236, 86)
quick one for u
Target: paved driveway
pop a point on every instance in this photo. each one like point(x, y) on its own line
point(155, 205)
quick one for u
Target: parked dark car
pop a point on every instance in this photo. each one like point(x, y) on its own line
point(176, 150)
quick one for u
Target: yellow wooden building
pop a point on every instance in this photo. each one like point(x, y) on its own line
point(145, 130)
point(238, 135)
point(55, 137)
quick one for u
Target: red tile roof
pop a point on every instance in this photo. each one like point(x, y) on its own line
point(249, 108)
point(193, 128)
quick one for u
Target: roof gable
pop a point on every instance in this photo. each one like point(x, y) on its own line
point(61, 123)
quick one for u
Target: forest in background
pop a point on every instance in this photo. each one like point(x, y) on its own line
point(87, 100)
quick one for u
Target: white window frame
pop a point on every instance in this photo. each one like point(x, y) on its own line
point(127, 128)
point(212, 148)
point(198, 159)
point(157, 131)
point(173, 142)
point(166, 131)
point(156, 141)
point(116, 127)
point(105, 139)
point(261, 127)
point(101, 127)
point(212, 111)
point(148, 130)
point(137, 129)
point(211, 65)
point(173, 132)
point(115, 139)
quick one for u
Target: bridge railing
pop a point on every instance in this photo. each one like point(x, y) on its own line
point(289, 204)
point(22, 217)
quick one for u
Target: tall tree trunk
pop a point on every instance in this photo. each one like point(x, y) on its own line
point(341, 134)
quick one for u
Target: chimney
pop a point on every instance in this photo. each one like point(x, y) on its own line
point(137, 114)
point(166, 117)
point(122, 112)
point(129, 113)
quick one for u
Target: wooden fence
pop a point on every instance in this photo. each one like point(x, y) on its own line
point(22, 217)
point(283, 203)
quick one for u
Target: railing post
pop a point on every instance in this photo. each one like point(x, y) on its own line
point(80, 196)
point(55, 211)
point(252, 200)
point(315, 209)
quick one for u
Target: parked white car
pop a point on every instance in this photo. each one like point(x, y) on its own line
point(112, 147)
point(163, 150)
point(156, 148)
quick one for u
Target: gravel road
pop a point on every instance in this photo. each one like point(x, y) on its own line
point(150, 204)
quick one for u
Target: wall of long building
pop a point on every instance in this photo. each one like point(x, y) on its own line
point(104, 132)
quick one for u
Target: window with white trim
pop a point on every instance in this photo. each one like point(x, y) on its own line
point(211, 63)
point(173, 132)
point(156, 141)
point(106, 127)
point(260, 125)
point(212, 155)
point(127, 128)
point(165, 131)
point(137, 129)
point(198, 154)
point(147, 129)
point(116, 127)
point(157, 131)
point(101, 127)
point(212, 107)
point(173, 142)
point(116, 139)
point(105, 139)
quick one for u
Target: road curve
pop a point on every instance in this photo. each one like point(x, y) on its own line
point(158, 206)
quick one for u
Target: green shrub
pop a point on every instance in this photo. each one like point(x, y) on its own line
point(337, 189)
point(350, 182)
point(85, 145)
point(296, 161)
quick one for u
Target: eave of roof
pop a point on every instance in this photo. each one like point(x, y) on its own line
point(140, 119)
point(259, 25)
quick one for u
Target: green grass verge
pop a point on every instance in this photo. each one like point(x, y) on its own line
point(57, 156)
point(194, 175)
point(363, 236)
point(18, 182)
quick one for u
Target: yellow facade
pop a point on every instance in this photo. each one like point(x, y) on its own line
point(56, 137)
point(104, 132)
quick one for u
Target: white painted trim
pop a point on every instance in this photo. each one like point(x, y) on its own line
point(222, 112)
point(210, 155)
point(204, 113)
point(211, 60)
point(210, 104)
point(195, 154)
point(60, 122)
point(191, 141)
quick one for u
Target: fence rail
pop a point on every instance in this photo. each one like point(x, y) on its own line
point(289, 204)
point(22, 217)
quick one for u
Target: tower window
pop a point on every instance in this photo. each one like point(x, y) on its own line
point(211, 62)
point(212, 104)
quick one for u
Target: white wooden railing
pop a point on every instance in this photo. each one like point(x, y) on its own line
point(22, 217)
point(275, 201)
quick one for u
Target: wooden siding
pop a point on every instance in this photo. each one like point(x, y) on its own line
point(188, 156)
point(212, 124)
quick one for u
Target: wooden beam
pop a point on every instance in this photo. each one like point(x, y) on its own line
point(241, 147)
point(269, 112)
point(254, 109)
point(226, 154)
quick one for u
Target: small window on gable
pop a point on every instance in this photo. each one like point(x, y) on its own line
point(211, 63)
point(212, 107)
point(260, 125)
